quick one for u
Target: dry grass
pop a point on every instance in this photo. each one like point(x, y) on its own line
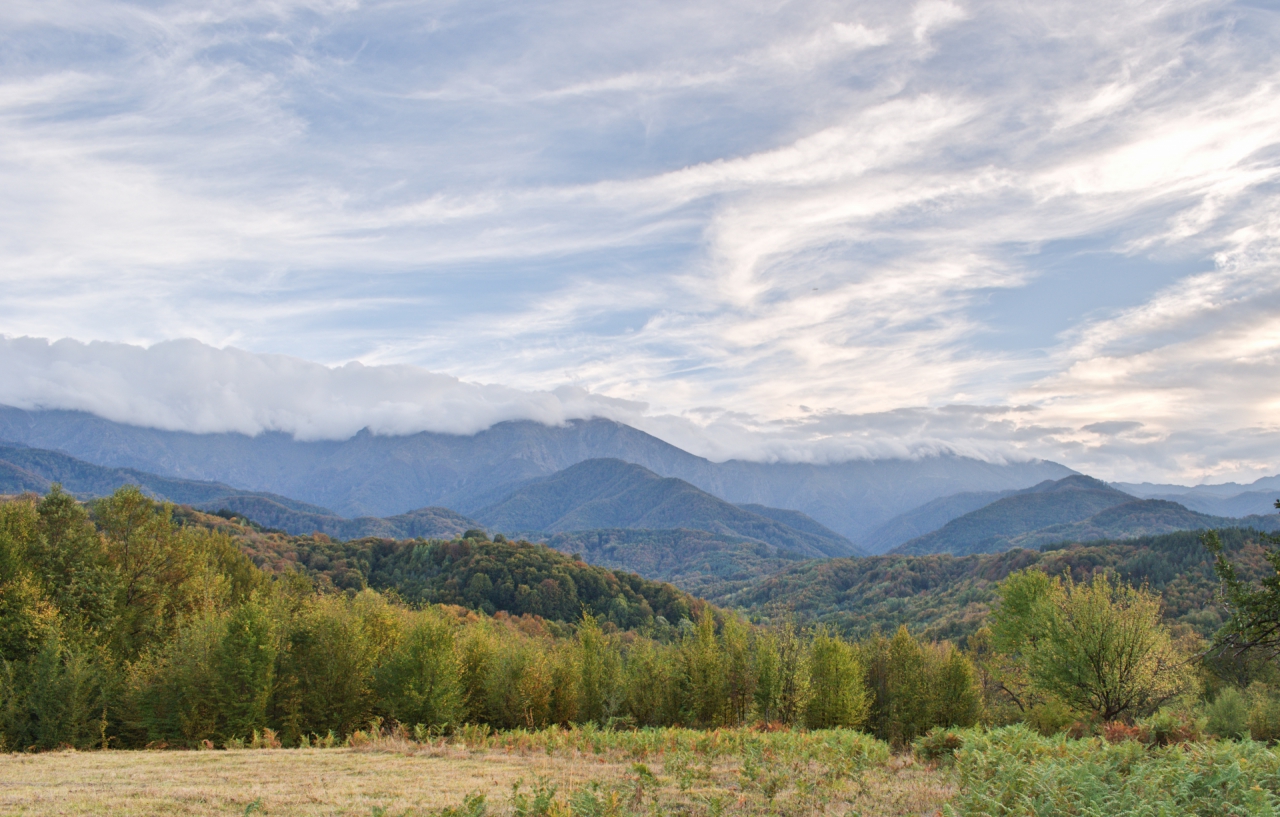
point(396, 777)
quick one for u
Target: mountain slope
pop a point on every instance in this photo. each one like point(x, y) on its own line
point(990, 528)
point(926, 519)
point(610, 493)
point(33, 469)
point(373, 475)
point(701, 563)
point(1143, 517)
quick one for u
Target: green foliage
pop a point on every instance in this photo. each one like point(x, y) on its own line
point(1253, 607)
point(838, 696)
point(914, 687)
point(1099, 648)
point(1228, 715)
point(1264, 712)
point(1014, 771)
point(420, 682)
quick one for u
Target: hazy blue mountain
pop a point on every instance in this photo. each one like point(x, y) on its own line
point(1143, 517)
point(1248, 503)
point(801, 522)
point(989, 529)
point(1224, 490)
point(927, 518)
point(424, 523)
point(373, 475)
point(33, 469)
point(610, 493)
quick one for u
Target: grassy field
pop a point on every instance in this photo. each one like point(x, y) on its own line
point(1007, 772)
point(596, 773)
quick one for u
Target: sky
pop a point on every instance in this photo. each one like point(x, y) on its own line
point(782, 231)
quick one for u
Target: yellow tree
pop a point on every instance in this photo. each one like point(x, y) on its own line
point(1104, 649)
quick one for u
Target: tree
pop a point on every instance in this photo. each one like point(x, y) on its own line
point(839, 697)
point(1098, 647)
point(705, 669)
point(420, 681)
point(1017, 628)
point(1253, 624)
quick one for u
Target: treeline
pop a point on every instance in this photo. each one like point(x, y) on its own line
point(121, 628)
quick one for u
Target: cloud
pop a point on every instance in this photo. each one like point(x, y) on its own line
point(185, 385)
point(882, 212)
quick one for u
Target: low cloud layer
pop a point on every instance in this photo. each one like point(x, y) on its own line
point(812, 230)
point(189, 386)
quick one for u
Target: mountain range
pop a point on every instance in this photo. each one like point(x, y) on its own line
point(615, 511)
point(610, 493)
point(381, 476)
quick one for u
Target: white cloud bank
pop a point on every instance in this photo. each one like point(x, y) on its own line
point(189, 386)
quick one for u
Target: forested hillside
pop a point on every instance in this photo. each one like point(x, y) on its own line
point(424, 523)
point(519, 578)
point(947, 596)
point(705, 564)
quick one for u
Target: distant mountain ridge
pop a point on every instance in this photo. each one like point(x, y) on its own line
point(1074, 509)
point(1142, 517)
point(610, 493)
point(927, 518)
point(1223, 499)
point(23, 468)
point(381, 476)
point(989, 528)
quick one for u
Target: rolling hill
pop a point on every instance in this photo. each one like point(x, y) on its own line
point(992, 527)
point(424, 523)
point(947, 596)
point(378, 475)
point(610, 493)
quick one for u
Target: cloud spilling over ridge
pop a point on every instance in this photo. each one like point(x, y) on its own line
point(185, 385)
point(189, 386)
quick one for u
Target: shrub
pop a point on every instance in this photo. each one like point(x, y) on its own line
point(1228, 715)
point(939, 744)
point(1264, 713)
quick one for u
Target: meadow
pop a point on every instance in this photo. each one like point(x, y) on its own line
point(590, 772)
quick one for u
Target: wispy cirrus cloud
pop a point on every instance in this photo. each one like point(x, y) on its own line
point(831, 223)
